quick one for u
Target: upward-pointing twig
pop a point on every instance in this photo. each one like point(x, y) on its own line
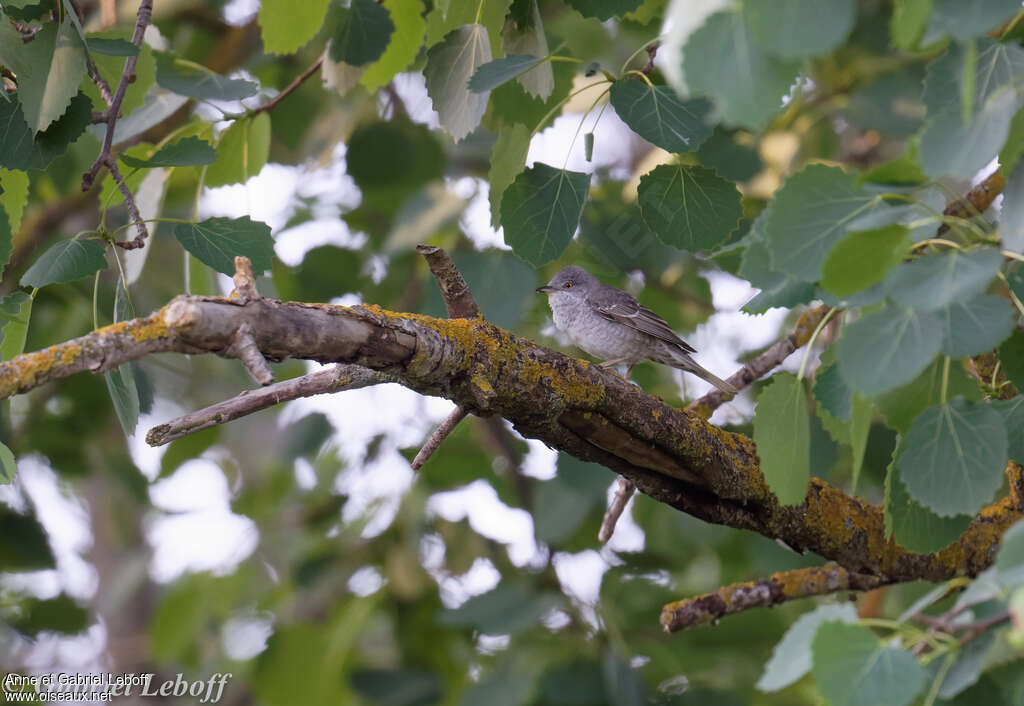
point(110, 116)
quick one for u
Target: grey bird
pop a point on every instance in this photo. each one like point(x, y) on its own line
point(611, 324)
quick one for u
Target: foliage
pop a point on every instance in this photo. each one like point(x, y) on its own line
point(807, 147)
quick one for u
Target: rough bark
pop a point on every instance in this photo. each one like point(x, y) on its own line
point(674, 456)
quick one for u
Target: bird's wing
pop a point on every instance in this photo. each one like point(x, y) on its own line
point(622, 308)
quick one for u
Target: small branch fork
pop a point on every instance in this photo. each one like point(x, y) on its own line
point(110, 116)
point(459, 302)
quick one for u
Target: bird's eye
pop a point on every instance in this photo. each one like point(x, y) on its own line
point(568, 285)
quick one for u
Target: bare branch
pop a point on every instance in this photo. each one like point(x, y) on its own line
point(461, 305)
point(673, 456)
point(763, 363)
point(334, 379)
point(454, 289)
point(243, 346)
point(777, 588)
point(299, 80)
point(112, 113)
point(440, 434)
point(624, 490)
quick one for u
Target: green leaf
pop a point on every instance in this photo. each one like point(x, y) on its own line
point(393, 158)
point(809, 215)
point(798, 29)
point(441, 20)
point(1012, 412)
point(216, 242)
point(510, 608)
point(622, 684)
point(49, 69)
point(563, 503)
point(287, 26)
point(498, 71)
point(450, 65)
point(23, 542)
point(189, 79)
point(1011, 355)
point(854, 668)
point(125, 396)
point(6, 238)
point(66, 261)
point(1011, 215)
point(1013, 148)
point(935, 281)
point(62, 615)
point(604, 9)
point(967, 663)
point(723, 62)
point(832, 393)
point(8, 465)
point(912, 525)
point(901, 406)
point(888, 348)
point(976, 325)
point(111, 46)
point(363, 33)
point(950, 144)
point(846, 269)
point(511, 684)
point(20, 149)
point(909, 18)
point(953, 457)
point(776, 288)
point(508, 159)
point(540, 211)
point(525, 35)
point(188, 152)
point(503, 285)
point(404, 45)
point(1010, 559)
point(657, 115)
point(783, 436)
point(732, 160)
point(967, 19)
point(110, 67)
point(18, 309)
point(398, 687)
point(13, 196)
point(242, 151)
point(690, 208)
point(791, 658)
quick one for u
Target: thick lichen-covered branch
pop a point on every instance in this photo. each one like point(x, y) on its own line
point(674, 456)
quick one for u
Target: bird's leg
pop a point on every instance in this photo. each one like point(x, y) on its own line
point(614, 361)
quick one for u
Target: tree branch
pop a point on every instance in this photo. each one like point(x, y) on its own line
point(299, 80)
point(333, 379)
point(112, 113)
point(674, 456)
point(763, 593)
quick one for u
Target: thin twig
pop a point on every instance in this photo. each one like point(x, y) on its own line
point(624, 490)
point(461, 305)
point(272, 103)
point(106, 157)
point(652, 51)
point(777, 588)
point(763, 363)
point(334, 379)
point(440, 434)
point(975, 201)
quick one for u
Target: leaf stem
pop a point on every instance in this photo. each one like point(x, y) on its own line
point(643, 48)
point(945, 380)
point(479, 12)
point(580, 126)
point(810, 342)
point(562, 102)
point(641, 74)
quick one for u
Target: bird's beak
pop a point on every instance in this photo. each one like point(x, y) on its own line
point(546, 289)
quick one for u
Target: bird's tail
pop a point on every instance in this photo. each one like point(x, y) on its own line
point(689, 364)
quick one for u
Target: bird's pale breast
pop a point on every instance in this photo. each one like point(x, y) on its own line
point(595, 334)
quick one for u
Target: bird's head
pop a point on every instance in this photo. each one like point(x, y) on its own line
point(570, 281)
